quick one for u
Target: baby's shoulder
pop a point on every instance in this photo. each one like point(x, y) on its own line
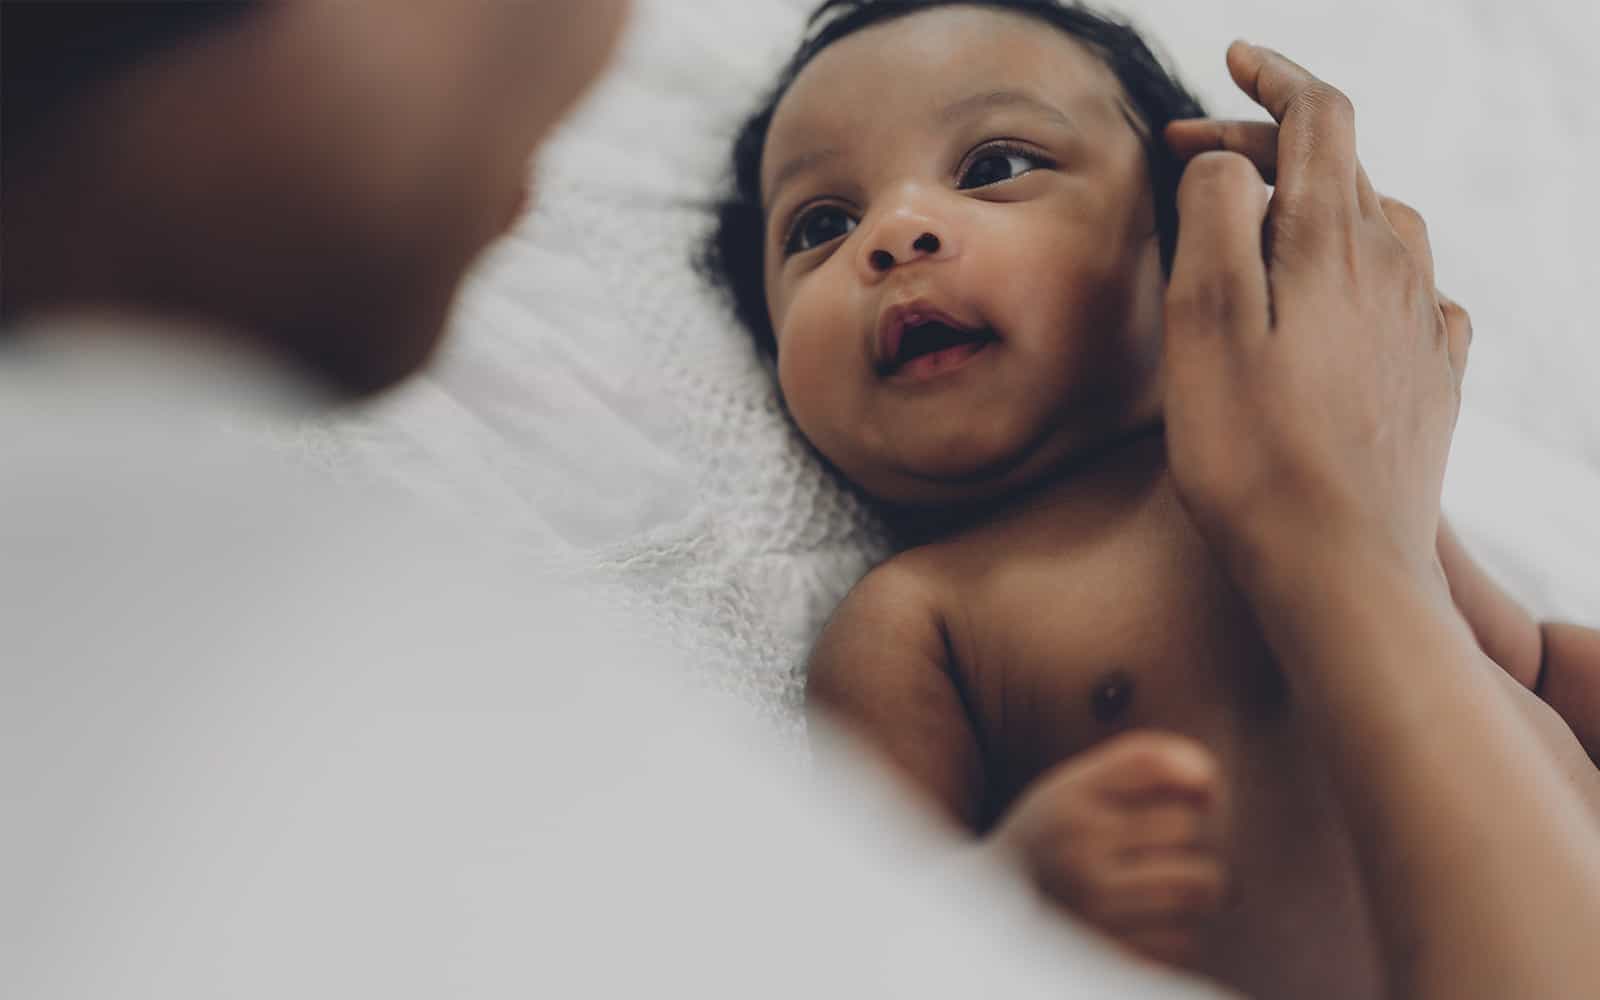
point(908, 585)
point(885, 639)
point(901, 604)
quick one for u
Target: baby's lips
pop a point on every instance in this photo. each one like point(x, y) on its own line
point(896, 320)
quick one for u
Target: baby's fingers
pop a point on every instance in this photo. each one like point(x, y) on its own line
point(1168, 826)
point(1173, 886)
point(1145, 766)
point(1164, 944)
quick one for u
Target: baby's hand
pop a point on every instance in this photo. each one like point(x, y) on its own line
point(1128, 837)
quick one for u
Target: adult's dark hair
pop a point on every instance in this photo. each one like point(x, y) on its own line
point(733, 257)
point(52, 51)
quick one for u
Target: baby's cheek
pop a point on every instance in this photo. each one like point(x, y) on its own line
point(1146, 310)
point(813, 379)
point(1108, 314)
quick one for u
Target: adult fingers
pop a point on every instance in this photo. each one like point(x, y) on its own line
point(1371, 203)
point(1255, 141)
point(1458, 330)
point(1219, 278)
point(1412, 229)
point(1317, 137)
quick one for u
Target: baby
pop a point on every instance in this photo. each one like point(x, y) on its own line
point(951, 226)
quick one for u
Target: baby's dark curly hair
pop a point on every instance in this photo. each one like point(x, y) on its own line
point(733, 257)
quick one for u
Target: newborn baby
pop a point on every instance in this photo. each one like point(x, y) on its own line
point(952, 227)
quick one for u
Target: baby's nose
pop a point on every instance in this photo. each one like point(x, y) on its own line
point(925, 245)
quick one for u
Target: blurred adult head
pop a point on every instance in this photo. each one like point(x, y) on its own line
point(313, 175)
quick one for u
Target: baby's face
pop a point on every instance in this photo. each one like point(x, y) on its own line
point(962, 263)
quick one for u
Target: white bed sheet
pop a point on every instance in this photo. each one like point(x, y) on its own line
point(597, 404)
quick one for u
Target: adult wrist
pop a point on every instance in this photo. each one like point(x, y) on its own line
point(1307, 591)
point(1273, 562)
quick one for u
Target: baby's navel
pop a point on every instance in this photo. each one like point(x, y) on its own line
point(1112, 697)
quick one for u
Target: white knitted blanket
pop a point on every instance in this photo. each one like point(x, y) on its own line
point(597, 406)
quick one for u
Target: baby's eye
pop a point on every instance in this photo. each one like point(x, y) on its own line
point(999, 165)
point(820, 226)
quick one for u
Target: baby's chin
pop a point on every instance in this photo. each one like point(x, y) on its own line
point(951, 477)
point(948, 477)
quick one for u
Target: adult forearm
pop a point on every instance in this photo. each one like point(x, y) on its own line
point(1483, 867)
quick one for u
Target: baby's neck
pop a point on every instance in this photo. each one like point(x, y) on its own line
point(1108, 479)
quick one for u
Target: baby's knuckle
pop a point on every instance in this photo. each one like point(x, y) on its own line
point(1076, 858)
point(1076, 812)
point(1188, 822)
point(1062, 816)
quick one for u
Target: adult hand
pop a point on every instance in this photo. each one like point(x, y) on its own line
point(1313, 385)
point(1313, 376)
point(1258, 143)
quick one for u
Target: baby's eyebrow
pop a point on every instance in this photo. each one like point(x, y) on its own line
point(801, 164)
point(992, 100)
point(966, 107)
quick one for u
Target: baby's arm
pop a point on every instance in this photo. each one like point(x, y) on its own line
point(1560, 663)
point(883, 669)
point(1570, 681)
point(1125, 835)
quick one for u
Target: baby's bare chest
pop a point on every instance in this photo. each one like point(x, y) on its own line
point(1138, 629)
point(1061, 647)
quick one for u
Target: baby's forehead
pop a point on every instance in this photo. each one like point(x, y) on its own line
point(921, 64)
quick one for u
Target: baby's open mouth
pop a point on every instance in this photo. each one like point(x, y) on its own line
point(933, 347)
